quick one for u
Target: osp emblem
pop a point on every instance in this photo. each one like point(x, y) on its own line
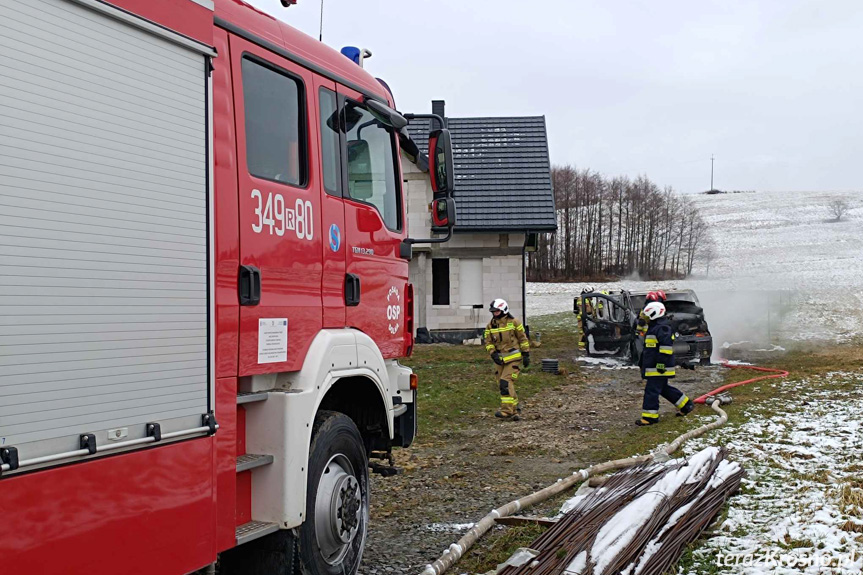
point(335, 238)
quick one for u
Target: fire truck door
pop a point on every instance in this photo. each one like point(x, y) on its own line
point(332, 205)
point(376, 277)
point(281, 240)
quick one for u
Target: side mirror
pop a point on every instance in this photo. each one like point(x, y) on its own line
point(385, 115)
point(440, 162)
point(443, 213)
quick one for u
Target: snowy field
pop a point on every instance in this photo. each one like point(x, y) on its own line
point(782, 271)
point(800, 509)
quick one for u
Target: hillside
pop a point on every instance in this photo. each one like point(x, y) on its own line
point(782, 269)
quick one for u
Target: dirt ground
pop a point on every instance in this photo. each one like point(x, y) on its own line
point(458, 475)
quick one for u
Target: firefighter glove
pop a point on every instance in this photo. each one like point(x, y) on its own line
point(660, 367)
point(495, 357)
point(525, 357)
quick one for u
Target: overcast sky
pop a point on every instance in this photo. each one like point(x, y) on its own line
point(773, 88)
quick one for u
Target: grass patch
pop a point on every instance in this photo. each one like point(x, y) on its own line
point(852, 527)
point(498, 547)
point(850, 499)
point(457, 383)
point(458, 391)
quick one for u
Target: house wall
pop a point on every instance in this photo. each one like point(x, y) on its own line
point(500, 254)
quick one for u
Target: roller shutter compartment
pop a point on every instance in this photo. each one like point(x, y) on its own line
point(103, 228)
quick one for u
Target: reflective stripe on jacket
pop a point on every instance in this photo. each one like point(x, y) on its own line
point(506, 336)
point(658, 349)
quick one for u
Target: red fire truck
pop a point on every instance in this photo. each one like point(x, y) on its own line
point(204, 279)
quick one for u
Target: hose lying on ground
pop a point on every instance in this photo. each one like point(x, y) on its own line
point(458, 549)
point(777, 373)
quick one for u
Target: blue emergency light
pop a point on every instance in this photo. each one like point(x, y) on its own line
point(352, 53)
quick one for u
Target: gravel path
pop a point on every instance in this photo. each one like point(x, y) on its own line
point(453, 479)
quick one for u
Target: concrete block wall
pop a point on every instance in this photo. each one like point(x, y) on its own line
point(418, 192)
point(501, 278)
point(502, 274)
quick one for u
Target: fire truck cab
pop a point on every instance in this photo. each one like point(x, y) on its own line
point(204, 278)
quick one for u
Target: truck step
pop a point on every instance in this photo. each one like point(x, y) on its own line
point(253, 530)
point(250, 396)
point(252, 460)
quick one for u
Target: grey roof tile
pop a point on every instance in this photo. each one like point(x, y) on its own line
point(502, 172)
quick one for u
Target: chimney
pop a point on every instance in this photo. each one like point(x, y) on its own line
point(438, 107)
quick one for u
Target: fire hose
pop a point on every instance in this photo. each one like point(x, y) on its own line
point(777, 373)
point(714, 399)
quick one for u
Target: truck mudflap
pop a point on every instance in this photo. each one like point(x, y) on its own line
point(405, 425)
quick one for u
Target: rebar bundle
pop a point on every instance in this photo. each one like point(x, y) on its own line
point(639, 521)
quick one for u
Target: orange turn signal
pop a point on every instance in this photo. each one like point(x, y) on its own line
point(415, 381)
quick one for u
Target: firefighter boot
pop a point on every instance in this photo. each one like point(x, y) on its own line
point(500, 415)
point(645, 421)
point(686, 407)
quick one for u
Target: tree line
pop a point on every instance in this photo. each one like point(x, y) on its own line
point(617, 227)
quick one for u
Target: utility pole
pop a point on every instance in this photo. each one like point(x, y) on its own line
point(711, 172)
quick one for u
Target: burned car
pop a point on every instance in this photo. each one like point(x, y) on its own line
point(609, 322)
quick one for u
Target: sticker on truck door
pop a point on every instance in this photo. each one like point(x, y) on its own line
point(272, 340)
point(394, 309)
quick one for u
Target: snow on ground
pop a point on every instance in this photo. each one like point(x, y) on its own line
point(800, 509)
point(449, 527)
point(605, 363)
point(782, 271)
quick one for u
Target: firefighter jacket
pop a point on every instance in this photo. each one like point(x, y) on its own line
point(584, 306)
point(505, 335)
point(658, 349)
point(641, 324)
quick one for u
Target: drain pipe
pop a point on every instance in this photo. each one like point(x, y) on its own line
point(457, 550)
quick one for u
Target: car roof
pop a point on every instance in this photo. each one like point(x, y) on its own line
point(668, 291)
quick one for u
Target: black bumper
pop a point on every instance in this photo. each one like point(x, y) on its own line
point(698, 349)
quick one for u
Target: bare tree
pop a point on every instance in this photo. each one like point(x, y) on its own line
point(617, 227)
point(838, 207)
point(707, 253)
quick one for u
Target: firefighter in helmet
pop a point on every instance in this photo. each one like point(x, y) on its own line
point(509, 347)
point(657, 364)
point(584, 307)
point(658, 295)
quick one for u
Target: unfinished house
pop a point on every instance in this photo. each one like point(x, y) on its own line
point(504, 197)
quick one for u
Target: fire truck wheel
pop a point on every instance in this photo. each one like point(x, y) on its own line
point(337, 502)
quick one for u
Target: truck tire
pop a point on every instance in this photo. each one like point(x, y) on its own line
point(333, 535)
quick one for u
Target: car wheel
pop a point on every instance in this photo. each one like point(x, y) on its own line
point(337, 499)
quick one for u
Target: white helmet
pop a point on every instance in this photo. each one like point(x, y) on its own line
point(587, 289)
point(654, 310)
point(499, 305)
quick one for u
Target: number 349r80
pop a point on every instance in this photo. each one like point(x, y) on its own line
point(277, 219)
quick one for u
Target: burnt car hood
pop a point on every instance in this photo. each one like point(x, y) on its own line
point(686, 317)
point(686, 323)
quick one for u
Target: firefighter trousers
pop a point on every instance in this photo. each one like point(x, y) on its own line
point(656, 387)
point(507, 375)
